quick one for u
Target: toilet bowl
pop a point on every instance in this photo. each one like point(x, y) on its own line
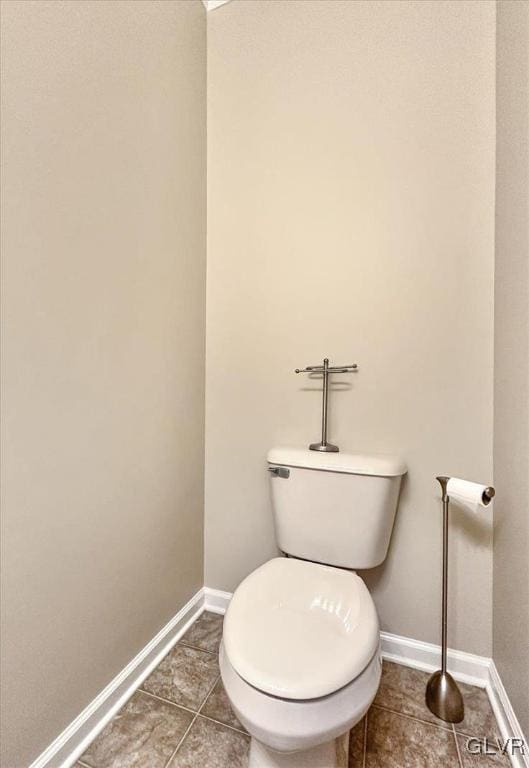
point(300, 654)
point(300, 661)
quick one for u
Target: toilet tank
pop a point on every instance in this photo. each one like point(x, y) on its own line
point(334, 508)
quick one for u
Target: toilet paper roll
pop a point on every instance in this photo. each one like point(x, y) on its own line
point(470, 495)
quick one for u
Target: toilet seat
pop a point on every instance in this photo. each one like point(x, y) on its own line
point(290, 726)
point(300, 630)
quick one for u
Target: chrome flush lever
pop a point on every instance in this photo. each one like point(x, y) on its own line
point(283, 472)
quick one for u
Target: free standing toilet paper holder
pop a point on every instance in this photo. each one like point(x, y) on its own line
point(443, 696)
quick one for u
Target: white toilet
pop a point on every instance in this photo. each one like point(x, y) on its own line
point(300, 657)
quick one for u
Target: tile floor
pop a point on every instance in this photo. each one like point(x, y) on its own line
point(181, 718)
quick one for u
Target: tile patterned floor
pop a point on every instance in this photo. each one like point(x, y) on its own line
point(181, 718)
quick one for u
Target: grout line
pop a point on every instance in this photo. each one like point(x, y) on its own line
point(181, 741)
point(196, 648)
point(212, 719)
point(191, 724)
point(208, 694)
point(364, 754)
point(471, 735)
point(457, 746)
point(224, 725)
point(168, 701)
point(193, 711)
point(411, 717)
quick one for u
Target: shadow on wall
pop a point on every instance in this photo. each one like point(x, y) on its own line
point(334, 386)
point(477, 528)
point(377, 578)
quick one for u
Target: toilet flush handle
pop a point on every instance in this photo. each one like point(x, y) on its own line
point(283, 472)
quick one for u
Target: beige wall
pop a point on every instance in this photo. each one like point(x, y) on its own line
point(351, 194)
point(351, 214)
point(511, 393)
point(104, 288)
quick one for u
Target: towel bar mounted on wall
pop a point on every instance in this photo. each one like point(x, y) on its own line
point(325, 370)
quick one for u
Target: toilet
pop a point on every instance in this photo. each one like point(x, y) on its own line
point(300, 653)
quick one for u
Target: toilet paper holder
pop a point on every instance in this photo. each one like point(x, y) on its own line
point(487, 495)
point(443, 696)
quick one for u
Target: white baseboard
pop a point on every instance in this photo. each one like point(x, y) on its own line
point(215, 600)
point(73, 741)
point(508, 723)
point(465, 667)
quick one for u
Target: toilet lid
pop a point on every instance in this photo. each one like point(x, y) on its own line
point(300, 630)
